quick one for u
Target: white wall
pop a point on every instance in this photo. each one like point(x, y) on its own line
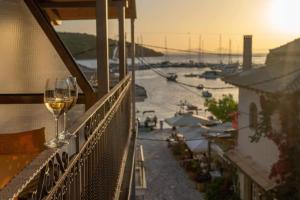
point(265, 153)
point(27, 59)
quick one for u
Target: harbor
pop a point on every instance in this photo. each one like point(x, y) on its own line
point(164, 96)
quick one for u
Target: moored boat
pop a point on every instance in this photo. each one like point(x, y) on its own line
point(172, 77)
point(206, 94)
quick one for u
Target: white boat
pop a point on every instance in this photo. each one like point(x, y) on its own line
point(172, 77)
point(210, 74)
point(200, 87)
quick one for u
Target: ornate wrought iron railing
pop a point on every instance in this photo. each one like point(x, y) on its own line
point(95, 165)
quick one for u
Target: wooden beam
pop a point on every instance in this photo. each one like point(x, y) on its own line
point(80, 4)
point(122, 60)
point(30, 99)
point(62, 51)
point(102, 47)
point(68, 4)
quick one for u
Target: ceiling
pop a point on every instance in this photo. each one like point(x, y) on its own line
point(84, 9)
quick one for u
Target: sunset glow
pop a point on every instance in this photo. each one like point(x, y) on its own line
point(271, 22)
point(284, 16)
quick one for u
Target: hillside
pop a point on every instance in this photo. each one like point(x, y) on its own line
point(83, 46)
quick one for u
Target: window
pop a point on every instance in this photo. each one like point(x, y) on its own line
point(253, 116)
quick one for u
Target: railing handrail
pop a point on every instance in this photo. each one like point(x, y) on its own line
point(77, 156)
point(78, 124)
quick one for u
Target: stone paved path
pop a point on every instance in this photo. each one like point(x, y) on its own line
point(166, 180)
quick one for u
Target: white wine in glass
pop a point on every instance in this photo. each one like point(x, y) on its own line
point(54, 100)
point(70, 102)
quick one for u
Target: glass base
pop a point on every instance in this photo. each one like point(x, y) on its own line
point(55, 143)
point(65, 135)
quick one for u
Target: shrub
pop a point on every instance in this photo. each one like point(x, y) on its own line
point(220, 189)
point(179, 149)
point(222, 108)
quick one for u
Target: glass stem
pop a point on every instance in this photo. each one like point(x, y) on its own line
point(56, 128)
point(65, 122)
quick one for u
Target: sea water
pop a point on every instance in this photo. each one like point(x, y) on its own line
point(164, 96)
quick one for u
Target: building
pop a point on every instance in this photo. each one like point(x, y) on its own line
point(254, 160)
point(98, 162)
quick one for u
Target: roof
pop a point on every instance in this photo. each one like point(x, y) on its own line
point(251, 169)
point(84, 9)
point(290, 48)
point(280, 75)
point(269, 79)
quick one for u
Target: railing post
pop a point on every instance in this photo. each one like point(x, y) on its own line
point(122, 61)
point(133, 72)
point(102, 47)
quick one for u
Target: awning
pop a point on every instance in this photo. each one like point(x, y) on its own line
point(192, 132)
point(183, 120)
point(198, 146)
point(189, 119)
point(251, 169)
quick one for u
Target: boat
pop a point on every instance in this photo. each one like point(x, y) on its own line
point(172, 77)
point(140, 93)
point(213, 74)
point(200, 87)
point(191, 75)
point(206, 94)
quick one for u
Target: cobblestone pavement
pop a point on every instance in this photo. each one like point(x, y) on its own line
point(166, 180)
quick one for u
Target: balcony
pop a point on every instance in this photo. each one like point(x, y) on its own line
point(98, 162)
point(93, 165)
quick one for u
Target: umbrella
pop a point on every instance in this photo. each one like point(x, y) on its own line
point(192, 132)
point(198, 146)
point(183, 120)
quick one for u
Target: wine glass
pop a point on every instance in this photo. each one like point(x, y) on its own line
point(56, 91)
point(70, 102)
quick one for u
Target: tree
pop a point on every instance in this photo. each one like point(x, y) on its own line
point(222, 108)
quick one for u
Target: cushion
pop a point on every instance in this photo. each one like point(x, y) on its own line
point(11, 165)
point(28, 142)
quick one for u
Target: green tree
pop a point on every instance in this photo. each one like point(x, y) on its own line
point(222, 108)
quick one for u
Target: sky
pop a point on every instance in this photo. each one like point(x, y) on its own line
point(194, 24)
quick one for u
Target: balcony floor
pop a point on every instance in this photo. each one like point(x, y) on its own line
point(166, 180)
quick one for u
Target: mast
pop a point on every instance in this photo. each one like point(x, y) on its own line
point(220, 49)
point(189, 49)
point(229, 53)
point(199, 53)
point(166, 49)
point(142, 47)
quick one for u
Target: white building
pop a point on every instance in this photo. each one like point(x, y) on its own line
point(254, 160)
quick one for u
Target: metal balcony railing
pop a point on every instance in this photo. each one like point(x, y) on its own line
point(97, 164)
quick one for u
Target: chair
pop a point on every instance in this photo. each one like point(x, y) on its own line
point(17, 150)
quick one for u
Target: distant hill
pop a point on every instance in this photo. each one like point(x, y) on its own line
point(83, 46)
